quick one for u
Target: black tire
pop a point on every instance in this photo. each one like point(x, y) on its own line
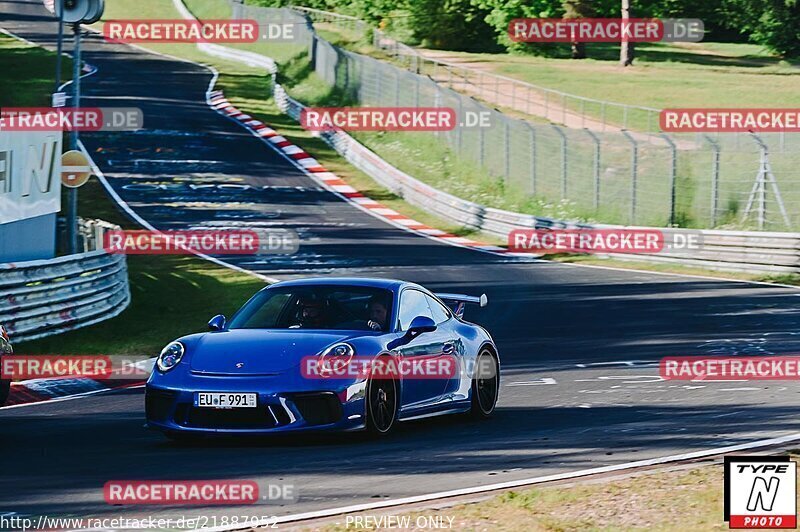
point(383, 401)
point(5, 390)
point(485, 385)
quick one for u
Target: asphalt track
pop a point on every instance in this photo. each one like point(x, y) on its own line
point(577, 388)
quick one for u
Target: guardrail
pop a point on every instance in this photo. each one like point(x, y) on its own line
point(738, 251)
point(47, 297)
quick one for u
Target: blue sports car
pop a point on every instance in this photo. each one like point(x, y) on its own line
point(326, 354)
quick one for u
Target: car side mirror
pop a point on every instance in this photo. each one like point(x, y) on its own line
point(421, 324)
point(217, 323)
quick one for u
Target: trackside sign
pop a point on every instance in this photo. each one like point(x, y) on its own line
point(30, 174)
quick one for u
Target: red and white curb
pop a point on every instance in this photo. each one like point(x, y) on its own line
point(330, 181)
point(51, 389)
point(44, 390)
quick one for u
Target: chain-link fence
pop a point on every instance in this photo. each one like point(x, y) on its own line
point(599, 172)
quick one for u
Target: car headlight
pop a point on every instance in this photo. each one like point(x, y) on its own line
point(170, 356)
point(335, 358)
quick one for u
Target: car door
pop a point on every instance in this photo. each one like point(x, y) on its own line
point(451, 343)
point(418, 392)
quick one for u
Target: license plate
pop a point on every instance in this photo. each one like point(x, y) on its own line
point(225, 400)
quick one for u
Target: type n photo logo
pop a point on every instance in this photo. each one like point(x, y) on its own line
point(760, 492)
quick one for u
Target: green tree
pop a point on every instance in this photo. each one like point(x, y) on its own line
point(771, 23)
point(501, 12)
point(451, 24)
point(578, 9)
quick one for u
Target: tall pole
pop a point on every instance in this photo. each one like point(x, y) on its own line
point(59, 5)
point(626, 47)
point(72, 194)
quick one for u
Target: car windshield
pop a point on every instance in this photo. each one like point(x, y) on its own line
point(331, 307)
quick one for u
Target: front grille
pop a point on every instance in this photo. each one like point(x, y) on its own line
point(235, 418)
point(318, 408)
point(157, 403)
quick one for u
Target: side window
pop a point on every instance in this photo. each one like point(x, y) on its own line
point(413, 303)
point(439, 312)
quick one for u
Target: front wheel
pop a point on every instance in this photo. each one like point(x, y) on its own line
point(382, 406)
point(485, 385)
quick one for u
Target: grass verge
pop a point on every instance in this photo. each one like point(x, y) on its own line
point(664, 75)
point(33, 69)
point(662, 500)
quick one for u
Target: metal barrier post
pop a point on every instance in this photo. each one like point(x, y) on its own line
point(507, 146)
point(595, 168)
point(563, 160)
point(714, 180)
point(533, 157)
point(672, 178)
point(634, 173)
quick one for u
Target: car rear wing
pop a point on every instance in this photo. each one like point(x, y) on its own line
point(457, 302)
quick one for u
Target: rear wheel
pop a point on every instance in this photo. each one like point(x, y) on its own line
point(382, 406)
point(485, 385)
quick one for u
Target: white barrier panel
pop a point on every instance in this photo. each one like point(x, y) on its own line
point(46, 297)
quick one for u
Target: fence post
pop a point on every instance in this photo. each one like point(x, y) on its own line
point(397, 88)
point(673, 174)
point(378, 89)
point(563, 160)
point(507, 146)
point(460, 126)
point(596, 168)
point(533, 157)
point(634, 172)
point(714, 181)
point(759, 191)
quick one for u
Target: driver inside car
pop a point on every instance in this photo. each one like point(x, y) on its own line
point(378, 314)
point(311, 314)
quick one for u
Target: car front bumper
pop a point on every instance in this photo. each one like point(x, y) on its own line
point(336, 409)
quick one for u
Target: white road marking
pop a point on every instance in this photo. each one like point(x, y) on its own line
point(331, 512)
point(537, 382)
